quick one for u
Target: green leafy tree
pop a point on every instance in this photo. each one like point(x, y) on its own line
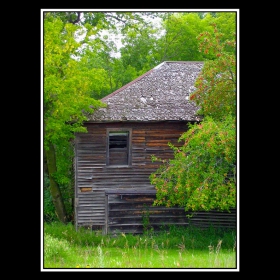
point(77, 72)
point(202, 174)
point(67, 88)
point(179, 39)
point(180, 31)
point(139, 48)
point(216, 84)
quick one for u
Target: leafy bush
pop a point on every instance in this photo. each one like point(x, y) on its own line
point(49, 210)
point(202, 175)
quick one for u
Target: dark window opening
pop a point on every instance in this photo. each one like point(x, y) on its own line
point(118, 140)
point(118, 148)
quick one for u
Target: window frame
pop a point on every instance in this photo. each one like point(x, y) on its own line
point(129, 148)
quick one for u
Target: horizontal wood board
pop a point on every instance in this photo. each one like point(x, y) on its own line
point(128, 213)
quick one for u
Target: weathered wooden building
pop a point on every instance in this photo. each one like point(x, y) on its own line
point(113, 160)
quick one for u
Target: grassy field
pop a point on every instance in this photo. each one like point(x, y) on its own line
point(172, 248)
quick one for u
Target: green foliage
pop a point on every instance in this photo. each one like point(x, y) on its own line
point(175, 247)
point(67, 85)
point(216, 84)
point(82, 236)
point(123, 75)
point(171, 236)
point(179, 41)
point(55, 247)
point(139, 49)
point(64, 177)
point(67, 193)
point(179, 38)
point(49, 210)
point(147, 228)
point(202, 175)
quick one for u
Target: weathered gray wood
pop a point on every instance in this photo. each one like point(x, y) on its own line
point(129, 191)
point(128, 209)
point(92, 172)
point(106, 215)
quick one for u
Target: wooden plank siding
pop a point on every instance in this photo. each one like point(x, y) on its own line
point(131, 211)
point(98, 203)
point(93, 177)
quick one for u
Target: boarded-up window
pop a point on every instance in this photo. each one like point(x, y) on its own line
point(118, 147)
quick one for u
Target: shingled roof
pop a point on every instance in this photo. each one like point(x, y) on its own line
point(160, 94)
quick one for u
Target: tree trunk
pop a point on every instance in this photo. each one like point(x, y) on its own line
point(54, 188)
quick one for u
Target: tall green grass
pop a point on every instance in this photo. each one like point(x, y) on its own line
point(173, 247)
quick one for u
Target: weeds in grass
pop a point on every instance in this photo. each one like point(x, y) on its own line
point(100, 257)
point(64, 247)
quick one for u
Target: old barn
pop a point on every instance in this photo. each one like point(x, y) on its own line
point(113, 160)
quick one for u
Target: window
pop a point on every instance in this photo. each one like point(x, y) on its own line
point(118, 147)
